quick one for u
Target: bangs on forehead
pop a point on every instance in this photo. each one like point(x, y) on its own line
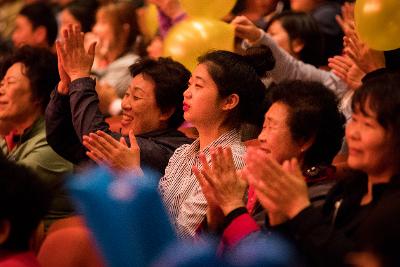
point(364, 100)
point(378, 95)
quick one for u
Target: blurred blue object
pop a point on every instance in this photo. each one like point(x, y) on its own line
point(256, 250)
point(261, 249)
point(186, 253)
point(131, 228)
point(125, 214)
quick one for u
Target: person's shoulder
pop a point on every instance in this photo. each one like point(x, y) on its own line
point(169, 139)
point(124, 61)
point(238, 152)
point(181, 150)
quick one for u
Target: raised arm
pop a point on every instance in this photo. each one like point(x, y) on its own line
point(60, 132)
point(286, 66)
point(76, 64)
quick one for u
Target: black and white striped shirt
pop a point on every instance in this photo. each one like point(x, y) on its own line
point(180, 189)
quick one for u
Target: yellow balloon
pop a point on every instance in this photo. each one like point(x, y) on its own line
point(151, 20)
point(208, 8)
point(191, 38)
point(378, 23)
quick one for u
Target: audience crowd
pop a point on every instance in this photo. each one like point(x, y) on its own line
point(84, 86)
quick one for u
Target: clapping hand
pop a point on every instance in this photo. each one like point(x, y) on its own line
point(105, 150)
point(280, 189)
point(74, 61)
point(345, 68)
point(221, 184)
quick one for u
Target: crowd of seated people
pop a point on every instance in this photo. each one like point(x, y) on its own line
point(322, 175)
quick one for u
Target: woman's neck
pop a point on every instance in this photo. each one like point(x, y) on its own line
point(380, 178)
point(209, 134)
point(116, 51)
point(27, 123)
point(113, 55)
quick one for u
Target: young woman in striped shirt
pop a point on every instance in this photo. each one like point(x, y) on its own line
point(224, 91)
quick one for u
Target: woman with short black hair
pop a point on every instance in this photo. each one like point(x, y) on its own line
point(299, 35)
point(27, 78)
point(146, 111)
point(367, 198)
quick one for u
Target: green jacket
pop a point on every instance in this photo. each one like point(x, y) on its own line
point(33, 151)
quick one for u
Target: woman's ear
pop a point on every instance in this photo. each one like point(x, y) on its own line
point(306, 144)
point(297, 45)
point(230, 102)
point(5, 228)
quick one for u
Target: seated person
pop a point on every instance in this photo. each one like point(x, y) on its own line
point(366, 199)
point(231, 86)
point(288, 67)
point(299, 35)
point(152, 108)
point(117, 33)
point(24, 200)
point(27, 78)
point(324, 13)
point(303, 122)
point(36, 26)
point(77, 12)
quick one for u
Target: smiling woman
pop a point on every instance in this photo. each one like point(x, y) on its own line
point(366, 199)
point(140, 112)
point(27, 77)
point(152, 111)
point(16, 101)
point(303, 122)
point(298, 34)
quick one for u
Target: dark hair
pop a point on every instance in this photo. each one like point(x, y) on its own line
point(313, 113)
point(239, 7)
point(237, 74)
point(84, 12)
point(380, 93)
point(170, 79)
point(41, 14)
point(41, 70)
point(302, 26)
point(24, 200)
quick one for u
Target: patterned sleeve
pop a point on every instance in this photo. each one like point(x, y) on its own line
point(166, 179)
point(194, 208)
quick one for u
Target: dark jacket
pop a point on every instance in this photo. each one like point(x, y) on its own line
point(68, 118)
point(332, 34)
point(326, 235)
point(343, 225)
